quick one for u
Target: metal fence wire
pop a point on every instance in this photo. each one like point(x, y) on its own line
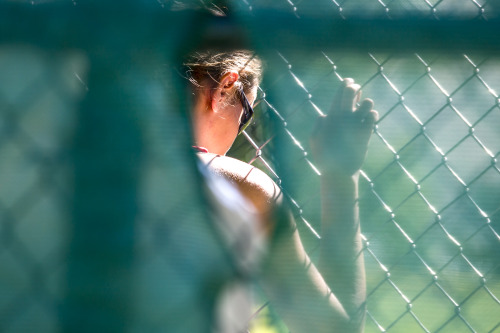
point(429, 189)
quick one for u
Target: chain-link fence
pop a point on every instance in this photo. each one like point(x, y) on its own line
point(431, 182)
point(430, 187)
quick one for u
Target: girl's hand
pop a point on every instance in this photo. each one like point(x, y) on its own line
point(340, 141)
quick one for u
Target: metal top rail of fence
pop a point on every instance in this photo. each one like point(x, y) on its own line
point(430, 188)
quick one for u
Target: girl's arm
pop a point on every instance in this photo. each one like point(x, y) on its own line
point(331, 295)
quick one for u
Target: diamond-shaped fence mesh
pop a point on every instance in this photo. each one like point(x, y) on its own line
point(429, 189)
point(431, 181)
point(436, 9)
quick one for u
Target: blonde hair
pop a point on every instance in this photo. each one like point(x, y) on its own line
point(208, 67)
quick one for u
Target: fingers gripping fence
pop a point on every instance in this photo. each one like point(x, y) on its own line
point(430, 186)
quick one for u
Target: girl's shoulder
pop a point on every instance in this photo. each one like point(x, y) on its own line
point(253, 182)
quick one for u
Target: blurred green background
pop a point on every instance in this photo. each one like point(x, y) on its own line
point(430, 190)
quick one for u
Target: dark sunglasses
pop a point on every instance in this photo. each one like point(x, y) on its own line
point(247, 115)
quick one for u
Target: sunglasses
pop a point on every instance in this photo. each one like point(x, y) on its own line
point(247, 115)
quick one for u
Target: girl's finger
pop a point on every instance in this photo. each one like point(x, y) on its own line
point(350, 97)
point(370, 119)
point(364, 108)
point(339, 96)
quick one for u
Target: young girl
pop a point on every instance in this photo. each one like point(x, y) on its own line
point(328, 296)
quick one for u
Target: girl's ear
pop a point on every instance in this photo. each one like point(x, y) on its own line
point(223, 89)
point(228, 80)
